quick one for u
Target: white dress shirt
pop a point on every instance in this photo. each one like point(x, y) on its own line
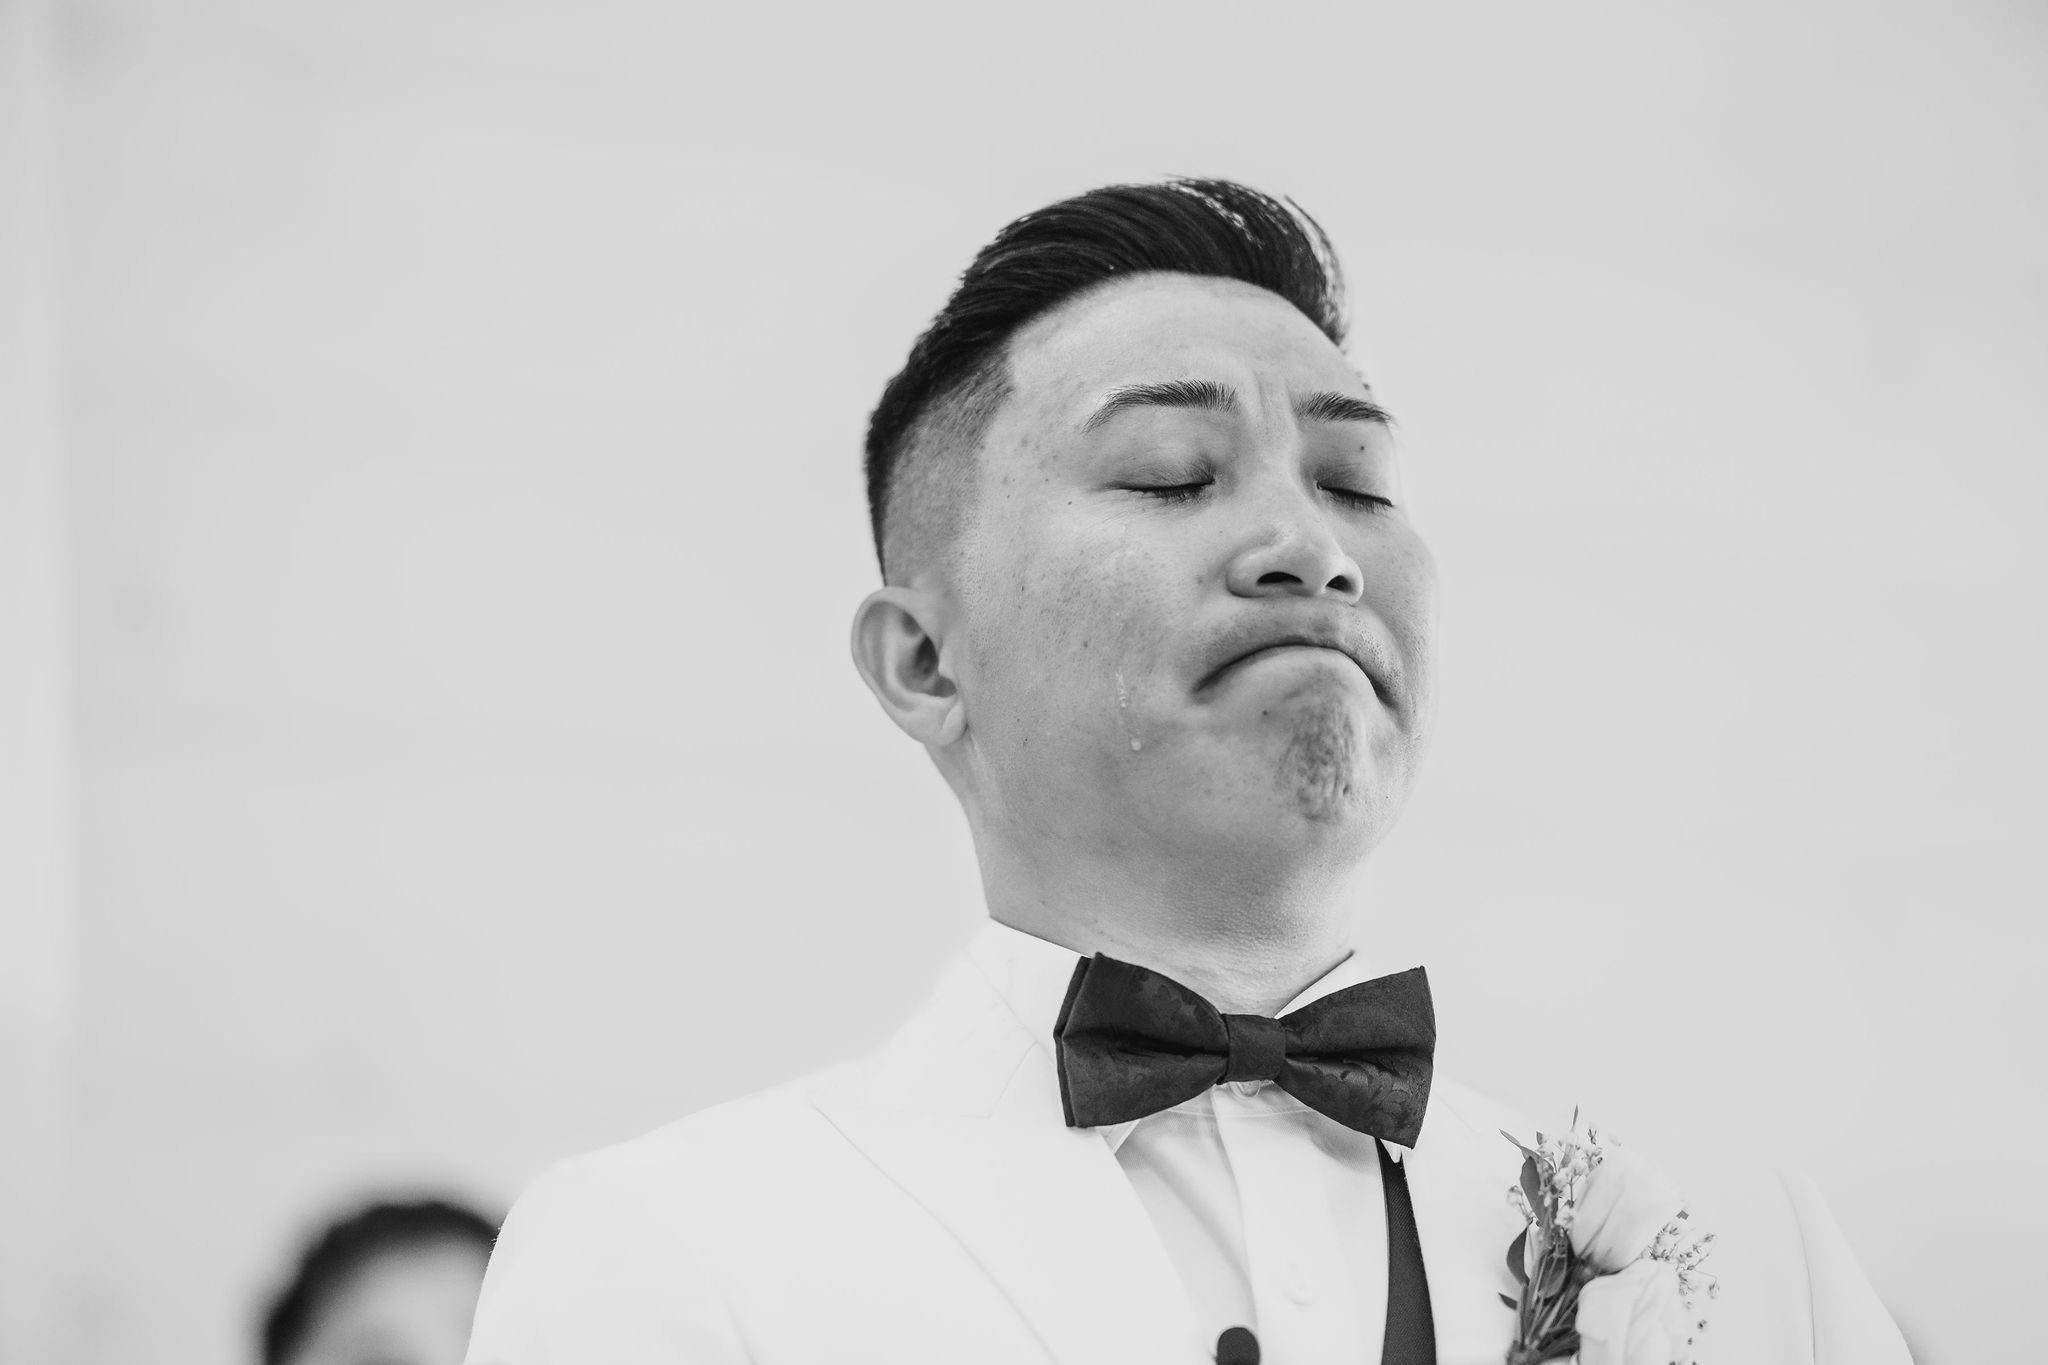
point(1272, 1214)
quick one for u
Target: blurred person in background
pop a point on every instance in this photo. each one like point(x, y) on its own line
point(387, 1284)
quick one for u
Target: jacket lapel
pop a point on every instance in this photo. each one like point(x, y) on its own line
point(963, 1114)
point(1459, 1184)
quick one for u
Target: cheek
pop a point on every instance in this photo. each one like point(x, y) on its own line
point(1401, 590)
point(1077, 639)
point(1400, 586)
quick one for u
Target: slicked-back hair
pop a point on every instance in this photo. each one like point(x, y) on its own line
point(344, 1247)
point(1190, 227)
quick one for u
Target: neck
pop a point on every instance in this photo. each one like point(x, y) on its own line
point(1246, 934)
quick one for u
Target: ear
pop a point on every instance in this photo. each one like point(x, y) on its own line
point(896, 647)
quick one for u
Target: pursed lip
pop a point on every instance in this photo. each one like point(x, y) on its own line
point(1246, 651)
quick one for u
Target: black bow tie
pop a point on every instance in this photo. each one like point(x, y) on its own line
point(1131, 1042)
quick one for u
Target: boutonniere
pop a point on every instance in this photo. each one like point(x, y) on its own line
point(1609, 1263)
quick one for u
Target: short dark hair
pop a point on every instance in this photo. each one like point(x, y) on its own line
point(1189, 227)
point(345, 1246)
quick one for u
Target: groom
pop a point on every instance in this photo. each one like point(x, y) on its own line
point(1154, 605)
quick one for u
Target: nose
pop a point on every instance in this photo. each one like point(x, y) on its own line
point(1297, 556)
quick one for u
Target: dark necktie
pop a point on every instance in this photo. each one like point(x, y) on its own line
point(1131, 1042)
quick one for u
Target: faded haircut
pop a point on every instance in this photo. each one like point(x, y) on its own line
point(935, 412)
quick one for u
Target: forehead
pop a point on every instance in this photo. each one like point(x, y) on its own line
point(405, 1294)
point(1160, 327)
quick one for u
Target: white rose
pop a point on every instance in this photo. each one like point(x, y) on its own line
point(1634, 1317)
point(1621, 1207)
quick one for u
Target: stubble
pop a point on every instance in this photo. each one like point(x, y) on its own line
point(1319, 767)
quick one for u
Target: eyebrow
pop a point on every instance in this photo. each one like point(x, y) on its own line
point(1206, 394)
point(1175, 393)
point(1324, 406)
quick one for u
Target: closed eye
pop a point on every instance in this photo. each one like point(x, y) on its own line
point(1170, 492)
point(1355, 498)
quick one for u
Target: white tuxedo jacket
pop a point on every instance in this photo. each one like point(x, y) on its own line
point(930, 1204)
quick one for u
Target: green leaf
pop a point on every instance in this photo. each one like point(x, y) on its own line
point(1517, 1249)
point(1512, 1305)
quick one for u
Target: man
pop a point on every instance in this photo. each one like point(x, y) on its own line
point(1154, 606)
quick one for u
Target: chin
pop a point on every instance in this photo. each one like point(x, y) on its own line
point(1321, 776)
point(1322, 769)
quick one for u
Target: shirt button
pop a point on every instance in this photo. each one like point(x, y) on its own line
point(1300, 1284)
point(1245, 1089)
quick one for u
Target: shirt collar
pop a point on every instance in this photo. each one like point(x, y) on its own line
point(1032, 975)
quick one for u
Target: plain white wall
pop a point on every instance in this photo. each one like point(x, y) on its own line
point(36, 920)
point(464, 409)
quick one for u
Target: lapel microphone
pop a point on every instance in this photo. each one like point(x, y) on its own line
point(1237, 1346)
